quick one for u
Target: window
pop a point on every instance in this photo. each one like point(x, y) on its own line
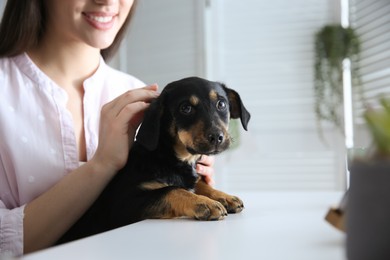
point(372, 22)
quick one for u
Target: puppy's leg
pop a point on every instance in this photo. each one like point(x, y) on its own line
point(232, 204)
point(182, 203)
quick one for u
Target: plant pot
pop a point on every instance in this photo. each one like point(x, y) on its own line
point(368, 211)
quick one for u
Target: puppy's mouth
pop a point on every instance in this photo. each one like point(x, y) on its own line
point(189, 145)
point(207, 150)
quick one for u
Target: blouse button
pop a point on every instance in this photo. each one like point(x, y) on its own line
point(31, 179)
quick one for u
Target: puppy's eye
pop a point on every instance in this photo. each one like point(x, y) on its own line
point(186, 109)
point(221, 105)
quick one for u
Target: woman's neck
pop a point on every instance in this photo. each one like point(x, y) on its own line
point(66, 64)
point(69, 65)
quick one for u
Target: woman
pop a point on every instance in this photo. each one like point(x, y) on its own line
point(67, 120)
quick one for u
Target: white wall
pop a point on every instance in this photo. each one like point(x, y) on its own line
point(2, 5)
point(165, 41)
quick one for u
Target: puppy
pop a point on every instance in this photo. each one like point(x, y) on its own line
point(189, 119)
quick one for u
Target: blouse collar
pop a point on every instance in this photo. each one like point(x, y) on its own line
point(31, 70)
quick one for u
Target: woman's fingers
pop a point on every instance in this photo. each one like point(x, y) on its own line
point(133, 115)
point(153, 87)
point(205, 167)
point(146, 94)
point(118, 123)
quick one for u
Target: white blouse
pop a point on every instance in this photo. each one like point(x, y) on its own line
point(37, 138)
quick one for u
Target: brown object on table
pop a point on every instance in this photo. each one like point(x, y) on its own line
point(336, 217)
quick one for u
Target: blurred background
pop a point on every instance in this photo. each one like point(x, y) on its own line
point(266, 51)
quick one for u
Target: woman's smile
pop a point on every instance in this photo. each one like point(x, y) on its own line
point(100, 21)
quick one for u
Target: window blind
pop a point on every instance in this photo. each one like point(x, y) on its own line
point(267, 53)
point(371, 20)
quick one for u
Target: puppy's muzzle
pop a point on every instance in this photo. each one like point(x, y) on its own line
point(216, 138)
point(214, 141)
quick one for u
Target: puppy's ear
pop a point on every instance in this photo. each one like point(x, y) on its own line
point(237, 108)
point(149, 132)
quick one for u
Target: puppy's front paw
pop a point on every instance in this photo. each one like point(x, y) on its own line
point(232, 204)
point(209, 210)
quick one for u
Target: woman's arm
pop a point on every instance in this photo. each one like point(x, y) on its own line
point(50, 215)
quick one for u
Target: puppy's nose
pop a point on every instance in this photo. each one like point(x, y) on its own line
point(215, 138)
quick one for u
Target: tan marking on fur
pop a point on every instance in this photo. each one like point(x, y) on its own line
point(232, 204)
point(194, 100)
point(204, 189)
point(225, 130)
point(180, 148)
point(213, 95)
point(234, 105)
point(183, 155)
point(185, 137)
point(153, 185)
point(225, 127)
point(182, 203)
point(188, 138)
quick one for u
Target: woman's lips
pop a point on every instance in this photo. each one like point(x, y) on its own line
point(100, 21)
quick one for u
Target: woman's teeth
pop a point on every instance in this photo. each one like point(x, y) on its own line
point(101, 19)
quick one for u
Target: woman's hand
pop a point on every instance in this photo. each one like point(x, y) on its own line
point(119, 121)
point(205, 167)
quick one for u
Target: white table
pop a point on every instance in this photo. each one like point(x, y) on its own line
point(273, 225)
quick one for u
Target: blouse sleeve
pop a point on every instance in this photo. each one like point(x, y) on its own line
point(11, 230)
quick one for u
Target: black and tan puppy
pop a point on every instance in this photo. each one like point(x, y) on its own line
point(190, 118)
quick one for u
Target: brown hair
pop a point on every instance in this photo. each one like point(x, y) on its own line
point(23, 25)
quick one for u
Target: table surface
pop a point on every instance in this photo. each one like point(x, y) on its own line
point(273, 225)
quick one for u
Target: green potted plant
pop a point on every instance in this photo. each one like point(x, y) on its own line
point(368, 208)
point(378, 123)
point(333, 44)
